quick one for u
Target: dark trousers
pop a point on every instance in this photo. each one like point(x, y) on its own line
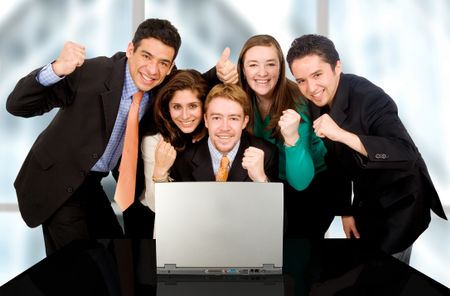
point(86, 215)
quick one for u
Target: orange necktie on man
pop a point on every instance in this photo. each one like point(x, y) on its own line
point(222, 173)
point(126, 185)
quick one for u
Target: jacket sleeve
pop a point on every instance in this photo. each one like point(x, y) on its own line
point(211, 77)
point(271, 164)
point(386, 140)
point(29, 98)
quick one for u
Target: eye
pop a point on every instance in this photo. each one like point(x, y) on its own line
point(145, 56)
point(176, 107)
point(317, 75)
point(193, 106)
point(300, 81)
point(164, 65)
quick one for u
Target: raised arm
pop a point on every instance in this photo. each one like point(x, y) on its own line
point(41, 90)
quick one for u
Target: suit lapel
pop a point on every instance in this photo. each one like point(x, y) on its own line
point(237, 172)
point(111, 97)
point(340, 103)
point(202, 162)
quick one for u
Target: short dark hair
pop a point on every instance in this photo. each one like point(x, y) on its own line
point(312, 44)
point(159, 29)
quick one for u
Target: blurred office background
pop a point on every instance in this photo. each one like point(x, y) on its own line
point(401, 45)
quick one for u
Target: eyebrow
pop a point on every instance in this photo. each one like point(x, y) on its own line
point(223, 115)
point(253, 61)
point(315, 72)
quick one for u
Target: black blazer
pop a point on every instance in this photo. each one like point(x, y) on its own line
point(393, 192)
point(58, 162)
point(195, 163)
point(72, 143)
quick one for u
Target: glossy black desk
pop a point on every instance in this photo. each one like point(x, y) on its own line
point(311, 267)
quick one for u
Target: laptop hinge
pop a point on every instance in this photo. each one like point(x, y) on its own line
point(170, 266)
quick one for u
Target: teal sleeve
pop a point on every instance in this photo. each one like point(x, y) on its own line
point(299, 162)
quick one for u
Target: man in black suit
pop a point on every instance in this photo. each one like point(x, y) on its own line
point(367, 143)
point(227, 112)
point(59, 184)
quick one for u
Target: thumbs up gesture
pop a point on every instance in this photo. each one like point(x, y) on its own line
point(225, 69)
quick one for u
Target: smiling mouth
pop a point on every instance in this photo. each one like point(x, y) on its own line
point(317, 95)
point(147, 79)
point(262, 82)
point(187, 123)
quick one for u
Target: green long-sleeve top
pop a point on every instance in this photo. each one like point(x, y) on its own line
point(298, 163)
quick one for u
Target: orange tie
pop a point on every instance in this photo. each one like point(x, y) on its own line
point(222, 173)
point(126, 185)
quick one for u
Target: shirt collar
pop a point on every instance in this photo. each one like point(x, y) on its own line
point(217, 155)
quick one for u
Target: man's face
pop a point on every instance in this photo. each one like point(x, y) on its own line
point(150, 63)
point(225, 121)
point(316, 79)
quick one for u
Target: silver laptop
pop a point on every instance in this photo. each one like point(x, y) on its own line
point(219, 228)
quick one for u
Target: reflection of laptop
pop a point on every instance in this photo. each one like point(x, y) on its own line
point(223, 285)
point(219, 228)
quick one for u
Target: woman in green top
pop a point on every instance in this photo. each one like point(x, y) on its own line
point(281, 116)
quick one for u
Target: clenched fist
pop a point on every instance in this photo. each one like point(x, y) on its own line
point(72, 56)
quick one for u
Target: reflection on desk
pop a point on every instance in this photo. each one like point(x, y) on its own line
point(311, 267)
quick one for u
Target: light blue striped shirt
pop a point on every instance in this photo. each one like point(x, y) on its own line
point(113, 150)
point(216, 155)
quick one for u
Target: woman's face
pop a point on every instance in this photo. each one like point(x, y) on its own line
point(186, 110)
point(262, 69)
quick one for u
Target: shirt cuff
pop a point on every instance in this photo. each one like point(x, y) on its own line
point(47, 76)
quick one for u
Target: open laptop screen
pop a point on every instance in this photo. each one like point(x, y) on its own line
point(219, 227)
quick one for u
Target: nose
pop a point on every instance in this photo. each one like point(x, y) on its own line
point(262, 70)
point(225, 125)
point(185, 113)
point(152, 67)
point(310, 86)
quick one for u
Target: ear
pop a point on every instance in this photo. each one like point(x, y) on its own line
point(170, 69)
point(205, 120)
point(246, 119)
point(130, 49)
point(338, 68)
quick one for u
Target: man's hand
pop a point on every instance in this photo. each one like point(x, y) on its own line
point(253, 162)
point(72, 56)
point(289, 123)
point(165, 155)
point(226, 70)
point(325, 127)
point(349, 225)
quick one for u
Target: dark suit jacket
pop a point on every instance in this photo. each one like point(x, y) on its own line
point(76, 138)
point(393, 192)
point(68, 148)
point(195, 163)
